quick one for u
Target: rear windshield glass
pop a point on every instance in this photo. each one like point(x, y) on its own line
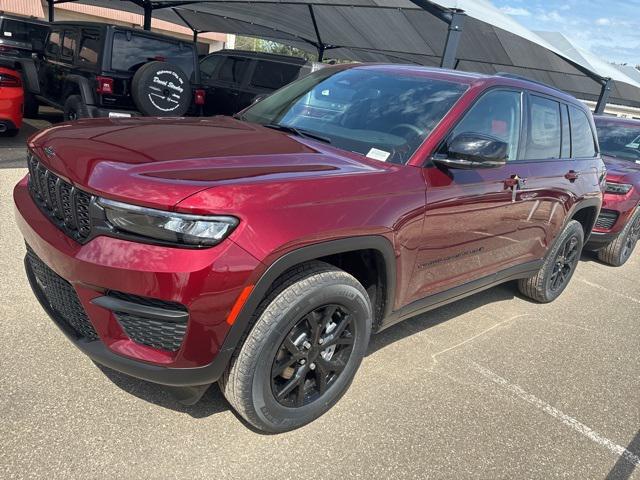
point(381, 114)
point(621, 141)
point(132, 51)
point(22, 32)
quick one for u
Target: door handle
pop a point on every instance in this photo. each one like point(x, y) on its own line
point(572, 175)
point(515, 183)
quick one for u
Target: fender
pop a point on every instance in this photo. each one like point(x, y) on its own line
point(582, 204)
point(86, 92)
point(29, 75)
point(301, 255)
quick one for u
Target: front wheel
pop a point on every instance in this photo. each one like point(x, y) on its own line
point(301, 355)
point(558, 267)
point(619, 250)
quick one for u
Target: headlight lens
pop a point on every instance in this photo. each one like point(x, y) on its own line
point(618, 188)
point(179, 228)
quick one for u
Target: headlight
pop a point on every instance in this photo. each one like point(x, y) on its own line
point(618, 188)
point(170, 227)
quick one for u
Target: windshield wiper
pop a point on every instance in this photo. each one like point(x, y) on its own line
point(297, 131)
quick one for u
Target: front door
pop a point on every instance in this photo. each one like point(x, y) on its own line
point(474, 218)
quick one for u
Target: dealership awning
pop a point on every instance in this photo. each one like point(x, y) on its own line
point(470, 35)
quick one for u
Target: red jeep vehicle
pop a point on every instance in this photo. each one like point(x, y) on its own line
point(617, 229)
point(261, 251)
point(11, 101)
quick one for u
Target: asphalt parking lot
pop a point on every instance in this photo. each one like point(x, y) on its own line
point(493, 386)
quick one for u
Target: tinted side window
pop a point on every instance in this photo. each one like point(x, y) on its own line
point(543, 141)
point(273, 75)
point(69, 43)
point(497, 114)
point(89, 48)
point(53, 45)
point(209, 65)
point(234, 69)
point(581, 135)
point(20, 31)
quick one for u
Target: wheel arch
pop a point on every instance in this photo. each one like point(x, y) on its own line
point(325, 251)
point(76, 84)
point(586, 213)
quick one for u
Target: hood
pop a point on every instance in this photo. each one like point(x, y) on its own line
point(158, 162)
point(620, 171)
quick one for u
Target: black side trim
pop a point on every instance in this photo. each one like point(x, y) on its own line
point(162, 314)
point(524, 270)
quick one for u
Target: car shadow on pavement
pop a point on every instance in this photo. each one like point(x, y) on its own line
point(212, 401)
point(440, 315)
point(624, 467)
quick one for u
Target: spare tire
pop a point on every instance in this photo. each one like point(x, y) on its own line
point(160, 89)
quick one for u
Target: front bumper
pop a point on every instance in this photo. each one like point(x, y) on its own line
point(207, 282)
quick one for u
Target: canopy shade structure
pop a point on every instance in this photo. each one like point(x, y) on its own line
point(470, 35)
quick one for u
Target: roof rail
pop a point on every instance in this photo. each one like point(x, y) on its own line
point(515, 76)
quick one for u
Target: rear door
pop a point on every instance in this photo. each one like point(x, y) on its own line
point(225, 83)
point(48, 66)
point(559, 165)
point(267, 76)
point(474, 217)
point(67, 58)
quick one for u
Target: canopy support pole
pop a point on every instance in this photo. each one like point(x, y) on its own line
point(456, 25)
point(319, 45)
point(604, 96)
point(148, 12)
point(51, 10)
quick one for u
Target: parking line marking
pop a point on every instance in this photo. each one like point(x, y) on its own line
point(595, 285)
point(563, 417)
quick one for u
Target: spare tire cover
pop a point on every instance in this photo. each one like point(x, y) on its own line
point(161, 89)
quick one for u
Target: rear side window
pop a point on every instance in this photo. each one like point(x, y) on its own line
point(53, 45)
point(583, 144)
point(131, 51)
point(497, 114)
point(209, 65)
point(89, 48)
point(273, 75)
point(24, 32)
point(69, 43)
point(234, 69)
point(544, 139)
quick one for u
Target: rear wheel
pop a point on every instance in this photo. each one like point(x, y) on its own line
point(301, 355)
point(619, 250)
point(75, 108)
point(558, 267)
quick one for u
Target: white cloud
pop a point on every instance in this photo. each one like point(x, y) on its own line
point(603, 21)
point(552, 16)
point(516, 11)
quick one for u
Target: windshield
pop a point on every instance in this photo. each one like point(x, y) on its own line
point(621, 141)
point(383, 115)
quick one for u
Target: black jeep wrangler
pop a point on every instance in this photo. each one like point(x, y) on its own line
point(18, 35)
point(96, 70)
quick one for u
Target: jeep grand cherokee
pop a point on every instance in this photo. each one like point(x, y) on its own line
point(262, 251)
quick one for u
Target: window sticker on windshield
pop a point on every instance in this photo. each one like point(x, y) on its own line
point(378, 154)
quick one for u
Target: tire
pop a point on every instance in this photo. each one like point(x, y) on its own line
point(315, 290)
point(619, 250)
point(160, 89)
point(31, 106)
point(559, 266)
point(75, 108)
point(10, 133)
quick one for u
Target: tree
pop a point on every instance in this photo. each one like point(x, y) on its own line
point(268, 46)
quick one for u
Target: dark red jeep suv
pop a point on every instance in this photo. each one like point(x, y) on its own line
point(261, 251)
point(617, 229)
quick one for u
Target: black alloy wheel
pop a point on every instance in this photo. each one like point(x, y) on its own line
point(565, 262)
point(312, 355)
point(632, 239)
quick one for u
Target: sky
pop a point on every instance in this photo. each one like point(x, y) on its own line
point(610, 29)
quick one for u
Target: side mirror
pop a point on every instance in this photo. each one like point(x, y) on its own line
point(475, 150)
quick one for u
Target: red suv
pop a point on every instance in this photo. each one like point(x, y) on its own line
point(617, 229)
point(261, 251)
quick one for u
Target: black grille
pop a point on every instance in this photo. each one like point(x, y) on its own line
point(606, 219)
point(66, 206)
point(62, 298)
point(153, 333)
